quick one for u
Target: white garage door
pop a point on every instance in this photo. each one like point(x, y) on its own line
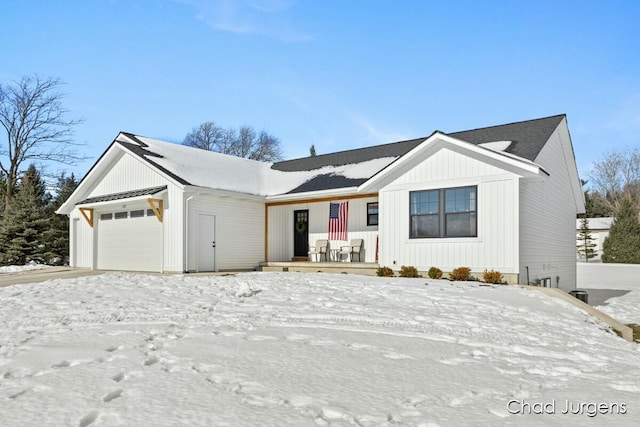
point(129, 240)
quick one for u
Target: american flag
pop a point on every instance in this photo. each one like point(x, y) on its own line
point(338, 215)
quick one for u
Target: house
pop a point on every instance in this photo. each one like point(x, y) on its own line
point(502, 197)
point(599, 228)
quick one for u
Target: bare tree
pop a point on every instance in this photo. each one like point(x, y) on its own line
point(245, 142)
point(617, 176)
point(36, 128)
point(207, 136)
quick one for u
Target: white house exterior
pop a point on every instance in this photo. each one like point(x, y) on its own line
point(503, 197)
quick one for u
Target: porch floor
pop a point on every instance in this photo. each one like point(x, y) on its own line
point(364, 268)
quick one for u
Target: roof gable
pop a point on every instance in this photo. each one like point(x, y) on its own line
point(350, 170)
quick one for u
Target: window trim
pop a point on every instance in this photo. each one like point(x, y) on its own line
point(442, 214)
point(370, 215)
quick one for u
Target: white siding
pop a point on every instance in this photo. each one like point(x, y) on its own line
point(239, 231)
point(280, 236)
point(496, 245)
point(80, 241)
point(173, 228)
point(548, 218)
point(130, 173)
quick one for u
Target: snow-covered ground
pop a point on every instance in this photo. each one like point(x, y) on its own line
point(625, 308)
point(20, 268)
point(289, 349)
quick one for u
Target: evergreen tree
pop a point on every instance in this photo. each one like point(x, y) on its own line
point(585, 241)
point(623, 243)
point(57, 236)
point(25, 222)
point(312, 150)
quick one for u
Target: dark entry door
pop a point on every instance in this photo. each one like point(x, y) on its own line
point(301, 233)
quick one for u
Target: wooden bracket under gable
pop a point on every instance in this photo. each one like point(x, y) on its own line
point(87, 213)
point(156, 207)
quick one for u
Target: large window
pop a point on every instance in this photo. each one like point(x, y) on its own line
point(446, 212)
point(372, 213)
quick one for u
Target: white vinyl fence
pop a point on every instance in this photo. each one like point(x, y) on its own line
point(608, 276)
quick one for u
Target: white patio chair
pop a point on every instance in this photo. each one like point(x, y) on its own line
point(320, 249)
point(356, 246)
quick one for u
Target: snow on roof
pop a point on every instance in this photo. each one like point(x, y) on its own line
point(496, 145)
point(223, 172)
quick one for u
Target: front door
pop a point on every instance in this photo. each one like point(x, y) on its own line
point(206, 243)
point(301, 233)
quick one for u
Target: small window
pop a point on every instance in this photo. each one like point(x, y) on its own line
point(106, 217)
point(120, 215)
point(136, 214)
point(372, 213)
point(150, 212)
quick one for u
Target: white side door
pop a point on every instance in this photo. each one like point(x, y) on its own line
point(206, 242)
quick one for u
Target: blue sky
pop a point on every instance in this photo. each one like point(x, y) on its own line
point(336, 74)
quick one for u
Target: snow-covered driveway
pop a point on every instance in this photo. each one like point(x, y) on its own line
point(276, 349)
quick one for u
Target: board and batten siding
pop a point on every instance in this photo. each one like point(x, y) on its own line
point(130, 173)
point(548, 217)
point(280, 232)
point(81, 241)
point(239, 231)
point(495, 247)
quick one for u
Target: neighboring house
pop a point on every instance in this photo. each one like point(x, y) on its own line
point(599, 228)
point(502, 197)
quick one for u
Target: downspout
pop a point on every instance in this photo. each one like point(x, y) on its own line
point(186, 233)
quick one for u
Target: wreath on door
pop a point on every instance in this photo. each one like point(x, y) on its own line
point(301, 226)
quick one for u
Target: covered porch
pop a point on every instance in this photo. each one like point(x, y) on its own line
point(363, 268)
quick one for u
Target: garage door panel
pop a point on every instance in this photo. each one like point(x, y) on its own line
point(130, 244)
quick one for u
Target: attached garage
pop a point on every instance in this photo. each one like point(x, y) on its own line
point(129, 239)
point(126, 231)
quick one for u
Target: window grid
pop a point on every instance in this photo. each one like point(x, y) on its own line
point(372, 213)
point(445, 212)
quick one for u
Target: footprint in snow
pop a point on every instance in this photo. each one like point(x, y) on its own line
point(63, 364)
point(112, 395)
point(88, 419)
point(118, 377)
point(18, 394)
point(151, 361)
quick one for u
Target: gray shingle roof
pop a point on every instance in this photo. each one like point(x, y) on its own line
point(327, 182)
point(528, 139)
point(123, 195)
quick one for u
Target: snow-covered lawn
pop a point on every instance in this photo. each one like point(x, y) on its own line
point(20, 268)
point(626, 308)
point(288, 349)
